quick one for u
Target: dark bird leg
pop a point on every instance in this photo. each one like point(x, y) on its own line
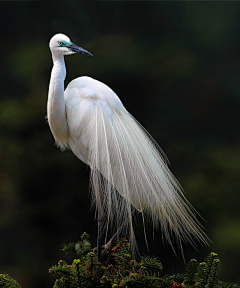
point(109, 245)
point(95, 179)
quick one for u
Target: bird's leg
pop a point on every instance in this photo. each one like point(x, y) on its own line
point(100, 213)
point(110, 243)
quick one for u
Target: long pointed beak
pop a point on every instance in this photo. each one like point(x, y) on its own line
point(77, 49)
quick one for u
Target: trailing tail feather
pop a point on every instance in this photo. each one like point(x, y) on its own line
point(133, 164)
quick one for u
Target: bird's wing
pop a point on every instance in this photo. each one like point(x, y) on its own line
point(82, 96)
point(117, 146)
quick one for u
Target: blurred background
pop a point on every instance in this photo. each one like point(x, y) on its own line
point(176, 68)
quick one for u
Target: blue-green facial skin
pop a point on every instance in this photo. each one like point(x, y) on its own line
point(74, 48)
point(64, 43)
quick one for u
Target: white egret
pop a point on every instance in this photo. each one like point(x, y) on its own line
point(128, 168)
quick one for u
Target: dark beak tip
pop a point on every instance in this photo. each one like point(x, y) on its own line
point(80, 50)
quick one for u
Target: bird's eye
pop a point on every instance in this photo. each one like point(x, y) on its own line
point(60, 43)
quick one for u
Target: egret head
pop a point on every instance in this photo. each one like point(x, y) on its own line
point(60, 45)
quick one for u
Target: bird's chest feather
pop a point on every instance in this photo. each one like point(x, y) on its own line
point(85, 120)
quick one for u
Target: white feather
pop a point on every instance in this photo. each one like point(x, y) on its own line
point(128, 168)
point(111, 141)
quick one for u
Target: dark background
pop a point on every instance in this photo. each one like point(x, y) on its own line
point(176, 68)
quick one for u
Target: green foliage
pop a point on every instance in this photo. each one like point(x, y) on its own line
point(208, 271)
point(205, 274)
point(81, 248)
point(222, 284)
point(151, 265)
point(191, 271)
point(7, 282)
point(118, 269)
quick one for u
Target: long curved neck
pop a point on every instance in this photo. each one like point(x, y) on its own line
point(56, 105)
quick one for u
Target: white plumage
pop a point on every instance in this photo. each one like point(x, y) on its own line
point(90, 119)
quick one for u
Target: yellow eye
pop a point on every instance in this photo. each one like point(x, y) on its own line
point(60, 43)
